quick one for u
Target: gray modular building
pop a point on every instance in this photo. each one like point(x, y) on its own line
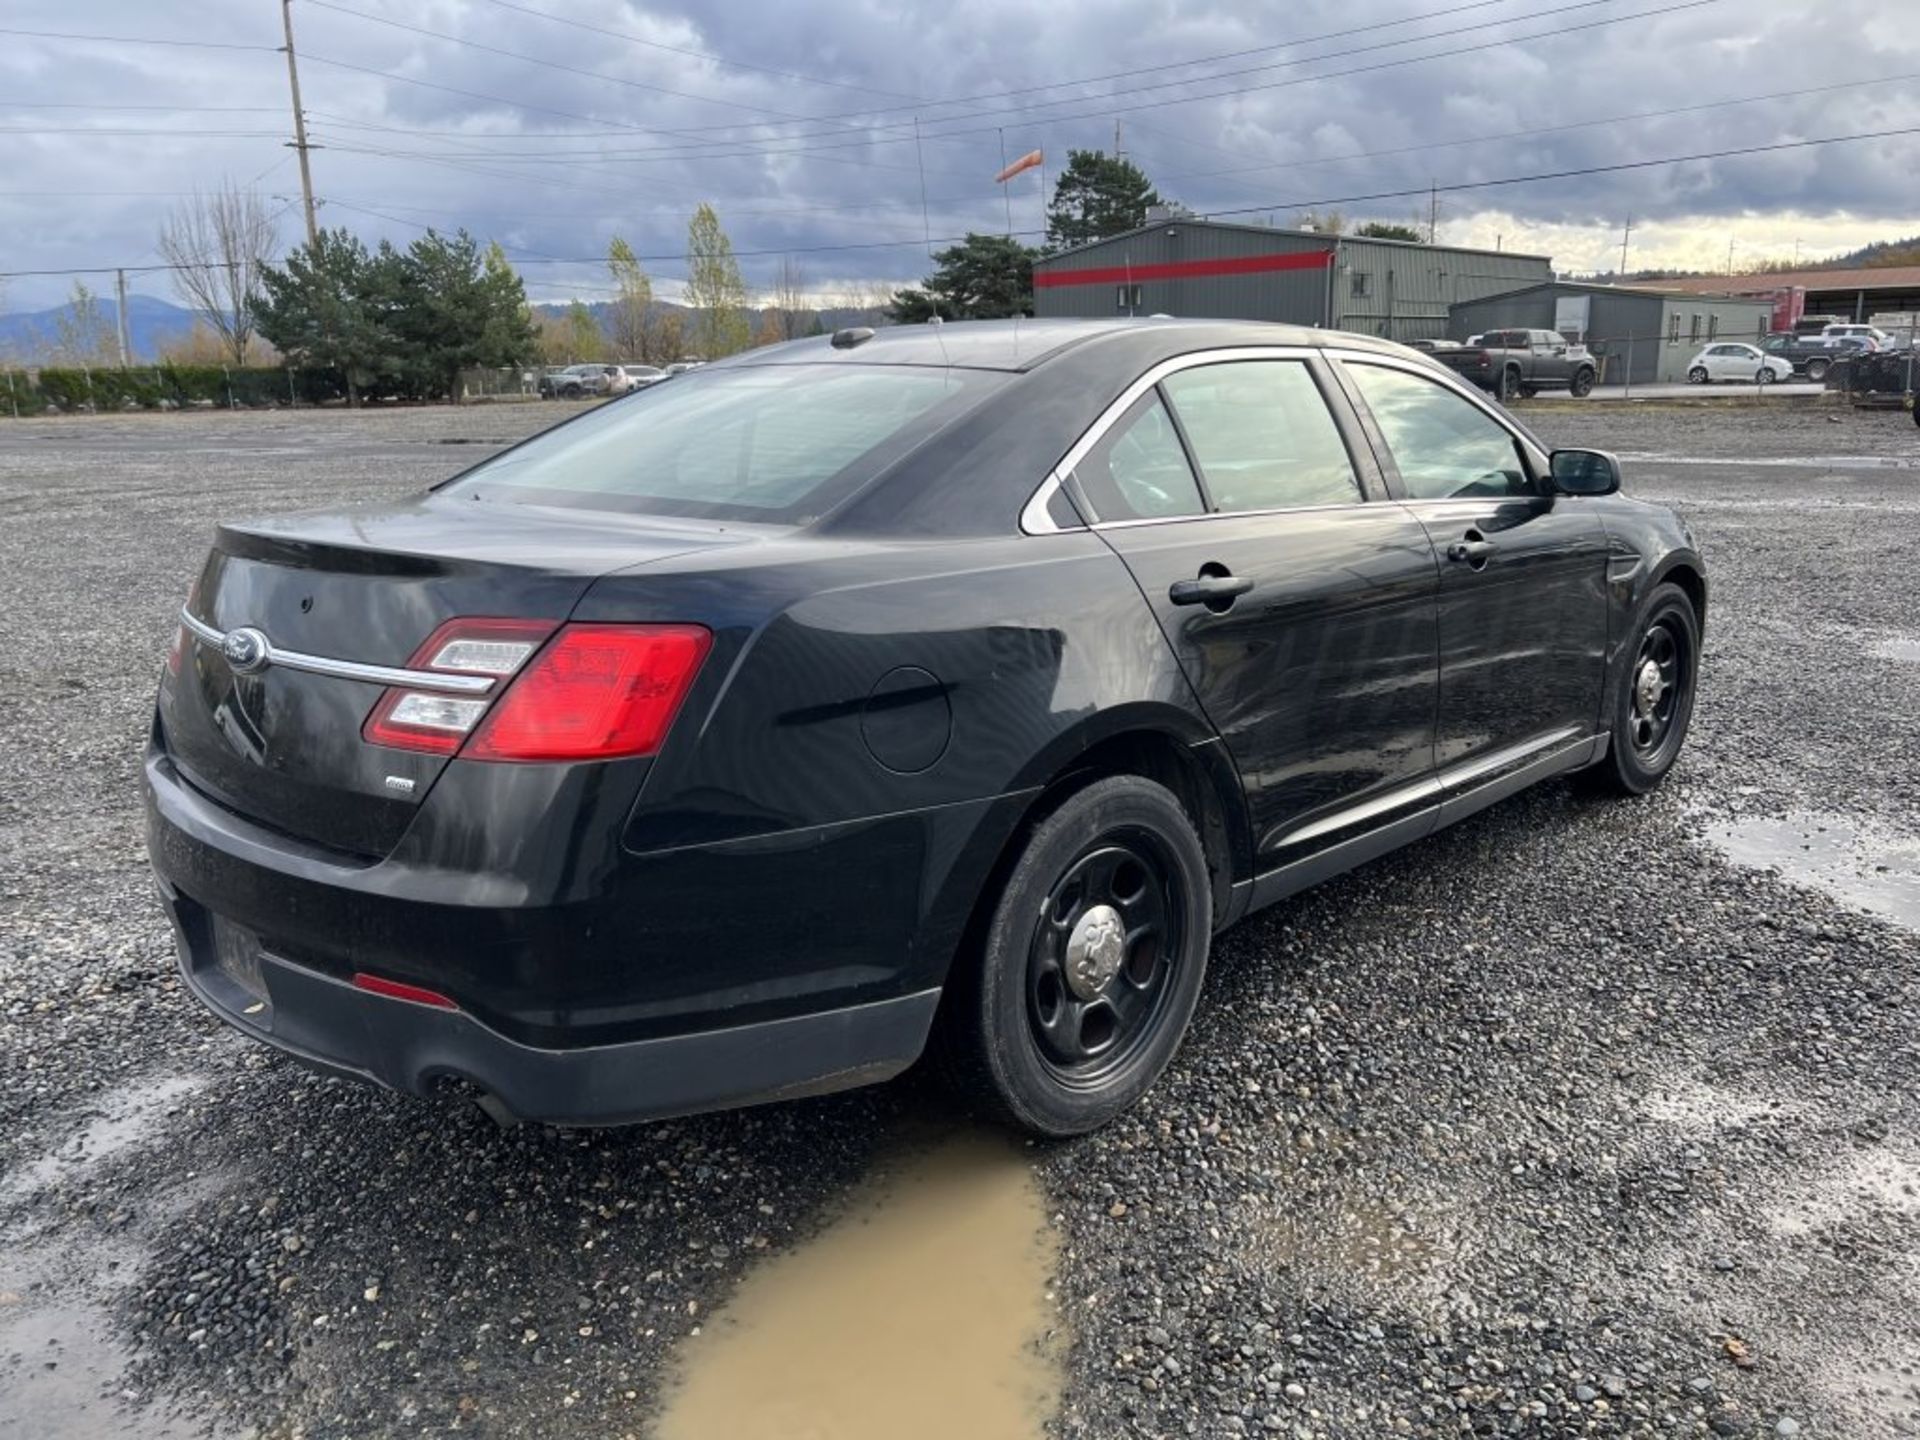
point(1645, 336)
point(1182, 265)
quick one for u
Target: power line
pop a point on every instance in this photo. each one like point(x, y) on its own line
point(134, 40)
point(769, 148)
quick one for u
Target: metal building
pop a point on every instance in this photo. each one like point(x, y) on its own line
point(1177, 264)
point(1641, 336)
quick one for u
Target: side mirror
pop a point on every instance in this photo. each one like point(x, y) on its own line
point(1584, 472)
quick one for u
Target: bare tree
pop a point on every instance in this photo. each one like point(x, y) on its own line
point(788, 309)
point(218, 244)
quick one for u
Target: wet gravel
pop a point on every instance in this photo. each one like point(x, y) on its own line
point(1561, 1123)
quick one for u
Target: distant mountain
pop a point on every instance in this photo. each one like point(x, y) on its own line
point(153, 324)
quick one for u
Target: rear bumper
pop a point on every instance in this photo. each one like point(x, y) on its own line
point(410, 1047)
point(700, 978)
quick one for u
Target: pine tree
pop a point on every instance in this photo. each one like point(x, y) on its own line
point(1097, 195)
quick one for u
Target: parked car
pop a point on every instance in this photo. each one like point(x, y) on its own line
point(717, 745)
point(1734, 360)
point(634, 377)
point(1876, 338)
point(1808, 355)
point(574, 382)
point(1512, 363)
point(680, 367)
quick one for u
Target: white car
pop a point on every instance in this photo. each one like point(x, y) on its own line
point(1730, 361)
point(633, 377)
point(1877, 338)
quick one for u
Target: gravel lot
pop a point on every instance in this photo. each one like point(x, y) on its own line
point(1573, 1120)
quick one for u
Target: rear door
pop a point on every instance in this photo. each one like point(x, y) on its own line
point(1298, 598)
point(1523, 573)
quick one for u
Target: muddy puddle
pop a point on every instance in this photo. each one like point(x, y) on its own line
point(62, 1369)
point(1856, 863)
point(924, 1309)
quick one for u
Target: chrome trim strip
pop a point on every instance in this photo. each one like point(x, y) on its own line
point(1133, 392)
point(1459, 776)
point(351, 669)
point(1034, 518)
point(1448, 782)
point(1426, 788)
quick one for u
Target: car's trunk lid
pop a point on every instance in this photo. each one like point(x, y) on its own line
point(283, 746)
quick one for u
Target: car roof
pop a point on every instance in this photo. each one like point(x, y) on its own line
point(1024, 344)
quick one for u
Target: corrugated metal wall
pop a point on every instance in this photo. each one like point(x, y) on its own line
point(1406, 288)
point(1405, 292)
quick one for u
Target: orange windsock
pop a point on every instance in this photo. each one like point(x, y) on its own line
point(1027, 161)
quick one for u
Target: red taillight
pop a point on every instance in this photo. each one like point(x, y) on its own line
point(595, 692)
point(592, 693)
point(437, 723)
point(397, 990)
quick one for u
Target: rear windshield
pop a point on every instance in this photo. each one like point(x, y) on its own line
point(772, 443)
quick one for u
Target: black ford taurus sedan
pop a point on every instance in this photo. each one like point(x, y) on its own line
point(942, 686)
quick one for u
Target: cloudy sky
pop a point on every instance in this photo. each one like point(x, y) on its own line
point(552, 125)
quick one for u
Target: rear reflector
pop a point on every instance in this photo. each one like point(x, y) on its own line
point(595, 692)
point(396, 990)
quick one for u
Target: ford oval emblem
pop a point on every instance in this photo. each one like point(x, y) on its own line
point(246, 650)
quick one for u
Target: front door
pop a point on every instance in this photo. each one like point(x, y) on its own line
point(1301, 609)
point(1523, 574)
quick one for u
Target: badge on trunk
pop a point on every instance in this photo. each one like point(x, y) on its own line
point(246, 650)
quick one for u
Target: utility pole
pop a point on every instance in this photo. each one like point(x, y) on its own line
point(1433, 210)
point(1729, 255)
point(120, 311)
point(1119, 150)
point(926, 225)
point(1006, 187)
point(1626, 234)
point(299, 125)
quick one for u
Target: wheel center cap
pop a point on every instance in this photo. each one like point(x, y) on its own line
point(1647, 688)
point(1094, 951)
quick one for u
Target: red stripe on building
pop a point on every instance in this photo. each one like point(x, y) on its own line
point(1044, 279)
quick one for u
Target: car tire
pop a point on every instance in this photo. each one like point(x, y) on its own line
point(1697, 375)
point(1764, 376)
point(1506, 386)
point(1067, 1014)
point(1582, 383)
point(569, 392)
point(1817, 370)
point(1648, 720)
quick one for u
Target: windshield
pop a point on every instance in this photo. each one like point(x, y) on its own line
point(771, 443)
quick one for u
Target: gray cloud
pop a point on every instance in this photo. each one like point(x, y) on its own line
point(562, 161)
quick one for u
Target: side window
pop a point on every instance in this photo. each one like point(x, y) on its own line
point(1139, 470)
point(1443, 444)
point(1673, 329)
point(1362, 284)
point(1262, 435)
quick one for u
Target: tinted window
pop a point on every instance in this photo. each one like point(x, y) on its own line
point(777, 442)
point(1262, 436)
point(1442, 443)
point(1139, 470)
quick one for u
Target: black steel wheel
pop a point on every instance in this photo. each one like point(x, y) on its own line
point(1091, 963)
point(1102, 955)
point(1653, 695)
point(1582, 382)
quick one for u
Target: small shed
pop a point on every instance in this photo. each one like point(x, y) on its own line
point(1639, 335)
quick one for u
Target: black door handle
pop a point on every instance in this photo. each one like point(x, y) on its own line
point(1474, 551)
point(1215, 591)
